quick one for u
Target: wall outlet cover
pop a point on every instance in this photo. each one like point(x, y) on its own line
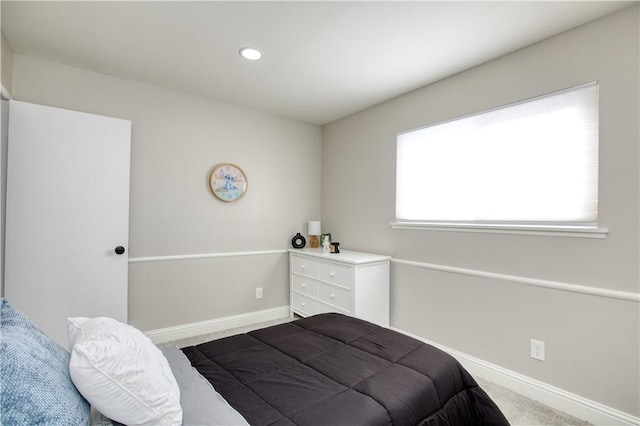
point(537, 350)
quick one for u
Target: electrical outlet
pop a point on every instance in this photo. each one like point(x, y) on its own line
point(258, 292)
point(537, 349)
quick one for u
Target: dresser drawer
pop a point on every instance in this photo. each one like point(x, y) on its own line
point(336, 274)
point(323, 308)
point(304, 266)
point(305, 285)
point(335, 296)
point(304, 304)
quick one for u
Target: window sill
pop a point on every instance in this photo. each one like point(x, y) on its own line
point(554, 231)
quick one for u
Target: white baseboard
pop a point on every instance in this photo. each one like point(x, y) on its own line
point(567, 402)
point(185, 331)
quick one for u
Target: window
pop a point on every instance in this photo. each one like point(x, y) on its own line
point(528, 165)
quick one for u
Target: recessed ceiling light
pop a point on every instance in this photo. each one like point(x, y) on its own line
point(250, 53)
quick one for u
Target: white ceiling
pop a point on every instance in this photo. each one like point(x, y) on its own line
point(322, 60)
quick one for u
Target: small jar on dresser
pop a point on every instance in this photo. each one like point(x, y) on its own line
point(350, 282)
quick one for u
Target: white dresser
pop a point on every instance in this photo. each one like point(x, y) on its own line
point(349, 282)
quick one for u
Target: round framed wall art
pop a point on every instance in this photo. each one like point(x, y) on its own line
point(227, 182)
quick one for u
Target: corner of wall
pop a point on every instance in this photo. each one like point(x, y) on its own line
point(6, 68)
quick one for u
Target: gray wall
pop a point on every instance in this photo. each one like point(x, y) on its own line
point(176, 140)
point(591, 341)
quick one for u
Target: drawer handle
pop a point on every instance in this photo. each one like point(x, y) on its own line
point(303, 266)
point(332, 274)
point(303, 285)
point(332, 296)
point(304, 304)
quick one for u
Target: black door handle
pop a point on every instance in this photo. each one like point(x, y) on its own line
point(119, 250)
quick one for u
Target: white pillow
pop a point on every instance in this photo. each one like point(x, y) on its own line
point(122, 373)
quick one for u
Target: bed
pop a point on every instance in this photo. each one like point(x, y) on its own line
point(331, 369)
point(326, 370)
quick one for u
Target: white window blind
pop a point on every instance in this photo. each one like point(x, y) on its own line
point(534, 162)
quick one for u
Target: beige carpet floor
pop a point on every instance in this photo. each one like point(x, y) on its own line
point(518, 409)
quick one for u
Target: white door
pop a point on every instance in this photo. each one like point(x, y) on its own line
point(67, 212)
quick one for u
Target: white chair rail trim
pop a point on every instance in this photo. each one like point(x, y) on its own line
point(554, 285)
point(204, 256)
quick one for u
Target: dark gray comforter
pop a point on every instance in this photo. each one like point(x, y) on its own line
point(331, 369)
